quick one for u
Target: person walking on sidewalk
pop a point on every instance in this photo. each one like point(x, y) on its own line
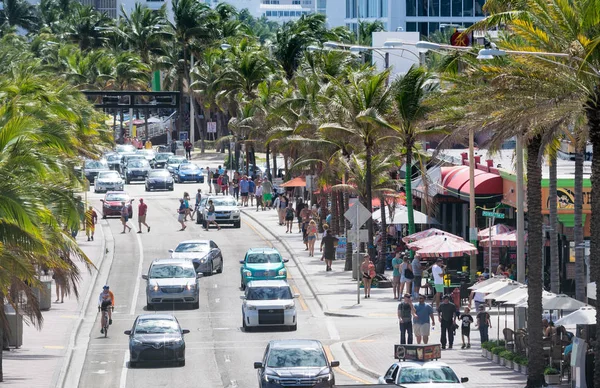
point(209, 178)
point(251, 191)
point(225, 183)
point(235, 184)
point(305, 215)
point(267, 189)
point(125, 217)
point(417, 269)
point(90, 223)
point(245, 190)
point(406, 275)
point(181, 214)
point(424, 313)
point(367, 269)
point(396, 263)
point(465, 327)
point(282, 205)
point(289, 219)
point(483, 324)
point(259, 196)
point(437, 270)
point(447, 318)
point(142, 211)
point(299, 206)
point(328, 244)
point(312, 233)
point(188, 149)
point(406, 313)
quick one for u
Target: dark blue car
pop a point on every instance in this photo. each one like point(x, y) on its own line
point(189, 172)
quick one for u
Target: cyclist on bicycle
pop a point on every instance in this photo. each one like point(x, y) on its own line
point(106, 302)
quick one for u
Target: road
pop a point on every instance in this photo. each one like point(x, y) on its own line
point(218, 352)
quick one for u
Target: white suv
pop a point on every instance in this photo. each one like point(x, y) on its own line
point(269, 303)
point(226, 210)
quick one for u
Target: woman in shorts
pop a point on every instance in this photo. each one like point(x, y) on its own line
point(367, 268)
point(311, 237)
point(211, 216)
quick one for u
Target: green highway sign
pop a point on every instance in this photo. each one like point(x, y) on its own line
point(487, 213)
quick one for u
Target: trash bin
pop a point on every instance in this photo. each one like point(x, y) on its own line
point(15, 325)
point(44, 295)
point(355, 265)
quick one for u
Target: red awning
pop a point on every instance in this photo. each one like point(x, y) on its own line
point(296, 182)
point(448, 175)
point(485, 183)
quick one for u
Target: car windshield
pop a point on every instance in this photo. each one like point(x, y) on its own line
point(162, 156)
point(223, 201)
point(125, 148)
point(193, 247)
point(189, 166)
point(442, 374)
point(138, 163)
point(177, 160)
point(269, 293)
point(113, 157)
point(145, 152)
point(167, 271)
point(156, 326)
point(109, 175)
point(296, 358)
point(263, 258)
point(96, 164)
point(159, 174)
point(117, 197)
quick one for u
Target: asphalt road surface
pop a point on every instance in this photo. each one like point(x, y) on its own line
point(218, 352)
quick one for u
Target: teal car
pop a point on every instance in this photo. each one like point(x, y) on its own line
point(262, 264)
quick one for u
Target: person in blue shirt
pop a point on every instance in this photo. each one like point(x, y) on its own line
point(244, 190)
point(421, 326)
point(251, 191)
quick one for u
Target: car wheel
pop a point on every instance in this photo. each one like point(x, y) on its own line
point(150, 306)
point(237, 224)
point(242, 285)
point(127, 180)
point(220, 269)
point(293, 328)
point(211, 270)
point(171, 188)
point(133, 364)
point(196, 305)
point(147, 189)
point(103, 216)
point(246, 328)
point(182, 363)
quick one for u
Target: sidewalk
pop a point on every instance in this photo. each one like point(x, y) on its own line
point(372, 354)
point(45, 353)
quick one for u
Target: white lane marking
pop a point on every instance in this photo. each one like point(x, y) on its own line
point(333, 332)
point(100, 372)
point(123, 381)
point(227, 358)
point(233, 384)
point(136, 290)
point(215, 286)
point(221, 328)
point(217, 300)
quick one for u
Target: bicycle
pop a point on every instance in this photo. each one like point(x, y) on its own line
point(105, 320)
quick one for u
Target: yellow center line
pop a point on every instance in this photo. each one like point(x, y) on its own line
point(300, 298)
point(259, 234)
point(340, 370)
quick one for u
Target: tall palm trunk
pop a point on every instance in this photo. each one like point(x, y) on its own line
point(593, 116)
point(408, 187)
point(340, 219)
point(274, 165)
point(369, 199)
point(381, 262)
point(348, 264)
point(534, 263)
point(578, 227)
point(554, 264)
point(334, 227)
point(268, 151)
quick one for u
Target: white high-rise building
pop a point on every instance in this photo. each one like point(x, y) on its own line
point(275, 10)
point(423, 16)
point(113, 7)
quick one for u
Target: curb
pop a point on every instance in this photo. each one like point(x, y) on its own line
point(359, 366)
point(303, 272)
point(65, 370)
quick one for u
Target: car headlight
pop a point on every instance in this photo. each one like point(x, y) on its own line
point(271, 379)
point(155, 287)
point(190, 287)
point(250, 307)
point(289, 306)
point(236, 212)
point(247, 273)
point(325, 378)
point(202, 261)
point(281, 272)
point(136, 342)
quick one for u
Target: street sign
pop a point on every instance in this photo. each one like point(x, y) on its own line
point(183, 135)
point(363, 236)
point(211, 127)
point(357, 210)
point(487, 213)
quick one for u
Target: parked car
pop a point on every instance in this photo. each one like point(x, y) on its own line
point(136, 170)
point(226, 211)
point(300, 363)
point(262, 264)
point(108, 180)
point(422, 374)
point(173, 163)
point(189, 172)
point(113, 202)
point(156, 337)
point(149, 154)
point(125, 148)
point(269, 303)
point(172, 281)
point(160, 159)
point(91, 168)
point(126, 158)
point(159, 180)
point(114, 161)
point(204, 254)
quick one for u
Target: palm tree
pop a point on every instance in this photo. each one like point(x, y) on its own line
point(17, 13)
point(87, 27)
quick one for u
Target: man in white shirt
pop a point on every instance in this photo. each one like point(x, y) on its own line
point(437, 271)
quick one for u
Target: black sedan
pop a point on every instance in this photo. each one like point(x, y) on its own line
point(205, 254)
point(160, 160)
point(156, 337)
point(159, 180)
point(136, 169)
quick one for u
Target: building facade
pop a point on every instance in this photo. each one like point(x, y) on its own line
point(423, 16)
point(275, 10)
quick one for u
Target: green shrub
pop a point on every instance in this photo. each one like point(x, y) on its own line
point(488, 345)
point(501, 343)
point(508, 355)
point(551, 371)
point(497, 350)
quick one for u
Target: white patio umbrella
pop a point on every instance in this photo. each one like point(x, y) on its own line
point(502, 291)
point(484, 283)
point(545, 297)
point(591, 290)
point(583, 316)
point(515, 296)
point(562, 302)
point(493, 287)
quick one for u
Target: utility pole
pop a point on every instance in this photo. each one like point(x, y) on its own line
point(520, 213)
point(192, 105)
point(472, 215)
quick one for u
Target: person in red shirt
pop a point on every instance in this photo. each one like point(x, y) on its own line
point(142, 211)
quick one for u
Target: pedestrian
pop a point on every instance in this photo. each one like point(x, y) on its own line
point(289, 218)
point(406, 275)
point(447, 318)
point(299, 207)
point(437, 270)
point(219, 185)
point(406, 313)
point(367, 269)
point(465, 327)
point(328, 245)
point(312, 233)
point(396, 263)
point(235, 183)
point(188, 149)
point(181, 214)
point(417, 269)
point(478, 297)
point(483, 324)
point(60, 284)
point(251, 191)
point(267, 188)
point(188, 209)
point(244, 190)
point(142, 211)
point(259, 196)
point(90, 223)
point(421, 326)
point(216, 181)
point(211, 216)
point(125, 217)
point(282, 205)
point(225, 183)
point(209, 177)
point(197, 204)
